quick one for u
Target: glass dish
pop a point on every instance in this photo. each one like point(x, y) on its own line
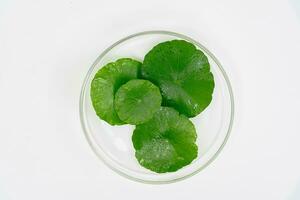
point(112, 144)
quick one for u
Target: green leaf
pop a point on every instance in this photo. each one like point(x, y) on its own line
point(183, 75)
point(165, 143)
point(137, 101)
point(105, 84)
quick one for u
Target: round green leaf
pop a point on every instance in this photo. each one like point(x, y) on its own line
point(137, 101)
point(183, 75)
point(105, 84)
point(165, 143)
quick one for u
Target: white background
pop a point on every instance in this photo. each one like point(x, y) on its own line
point(46, 48)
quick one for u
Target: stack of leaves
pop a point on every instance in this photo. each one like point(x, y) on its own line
point(173, 83)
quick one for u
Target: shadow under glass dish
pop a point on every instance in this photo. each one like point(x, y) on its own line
point(113, 145)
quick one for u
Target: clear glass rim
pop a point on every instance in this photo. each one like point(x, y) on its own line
point(84, 86)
